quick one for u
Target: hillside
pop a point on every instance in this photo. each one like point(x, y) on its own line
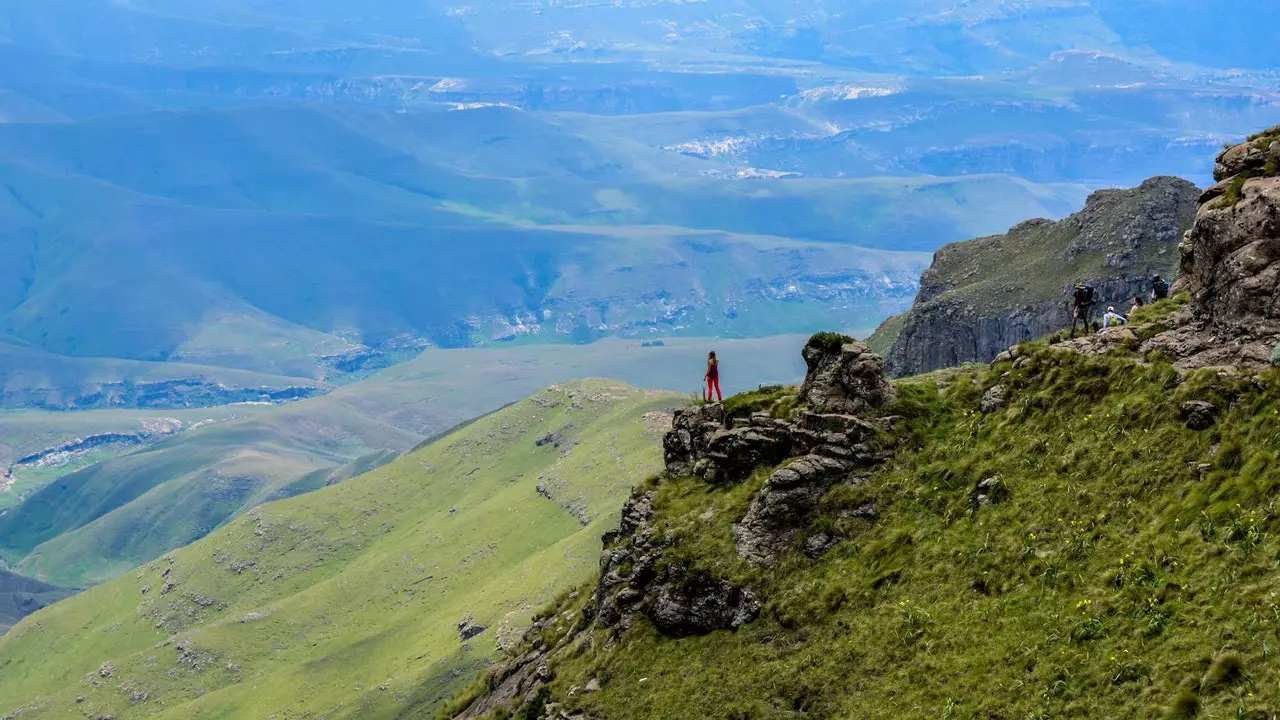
point(1085, 528)
point(367, 599)
point(20, 596)
point(982, 296)
point(86, 518)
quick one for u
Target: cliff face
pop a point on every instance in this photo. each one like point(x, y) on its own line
point(982, 296)
point(1230, 265)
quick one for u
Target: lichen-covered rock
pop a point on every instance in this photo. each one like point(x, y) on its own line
point(696, 606)
point(994, 399)
point(1230, 267)
point(734, 454)
point(1199, 415)
point(677, 601)
point(785, 505)
point(691, 431)
point(847, 378)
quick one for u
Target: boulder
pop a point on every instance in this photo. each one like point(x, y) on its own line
point(989, 491)
point(697, 606)
point(690, 434)
point(844, 377)
point(994, 399)
point(1231, 269)
point(785, 505)
point(1199, 415)
point(734, 454)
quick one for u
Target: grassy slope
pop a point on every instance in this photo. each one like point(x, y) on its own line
point(97, 522)
point(344, 601)
point(17, 594)
point(1129, 573)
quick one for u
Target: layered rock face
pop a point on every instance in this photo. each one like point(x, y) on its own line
point(1230, 264)
point(838, 438)
point(980, 297)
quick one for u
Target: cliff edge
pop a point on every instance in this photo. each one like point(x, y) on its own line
point(982, 296)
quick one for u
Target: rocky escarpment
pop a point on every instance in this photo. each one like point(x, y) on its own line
point(836, 437)
point(980, 297)
point(1230, 265)
point(191, 392)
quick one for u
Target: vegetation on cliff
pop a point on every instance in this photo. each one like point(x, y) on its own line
point(1078, 551)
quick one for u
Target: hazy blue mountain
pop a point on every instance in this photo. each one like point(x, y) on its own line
point(305, 189)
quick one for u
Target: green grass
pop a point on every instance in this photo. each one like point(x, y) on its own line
point(882, 340)
point(89, 525)
point(343, 603)
point(1129, 572)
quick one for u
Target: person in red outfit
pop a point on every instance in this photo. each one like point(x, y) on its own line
point(713, 376)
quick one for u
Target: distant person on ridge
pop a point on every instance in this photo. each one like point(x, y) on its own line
point(1113, 318)
point(1083, 297)
point(1159, 288)
point(1137, 305)
point(713, 376)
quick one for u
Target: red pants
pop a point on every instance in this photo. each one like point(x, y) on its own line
point(713, 383)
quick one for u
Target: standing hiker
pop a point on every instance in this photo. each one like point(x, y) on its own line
point(1159, 288)
point(1083, 298)
point(1137, 305)
point(713, 377)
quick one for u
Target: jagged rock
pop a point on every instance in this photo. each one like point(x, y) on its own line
point(844, 379)
point(1230, 265)
point(820, 544)
point(1104, 341)
point(734, 454)
point(677, 603)
point(592, 686)
point(1199, 415)
point(1245, 158)
point(690, 433)
point(989, 492)
point(784, 506)
point(699, 606)
point(513, 682)
point(467, 628)
point(1007, 356)
point(971, 309)
point(994, 399)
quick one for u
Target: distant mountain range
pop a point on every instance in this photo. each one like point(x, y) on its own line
point(317, 190)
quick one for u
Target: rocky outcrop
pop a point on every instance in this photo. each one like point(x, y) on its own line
point(836, 438)
point(982, 296)
point(843, 376)
point(1230, 265)
point(679, 602)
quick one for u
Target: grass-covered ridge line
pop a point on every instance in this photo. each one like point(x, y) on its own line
point(1128, 568)
point(344, 602)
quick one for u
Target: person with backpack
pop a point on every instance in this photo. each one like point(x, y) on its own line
point(1084, 300)
point(713, 376)
point(1159, 289)
point(1113, 318)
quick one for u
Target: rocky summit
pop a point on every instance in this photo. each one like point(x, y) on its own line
point(982, 296)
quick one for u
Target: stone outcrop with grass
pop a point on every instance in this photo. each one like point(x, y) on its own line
point(833, 433)
point(1085, 528)
point(1230, 265)
point(982, 296)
